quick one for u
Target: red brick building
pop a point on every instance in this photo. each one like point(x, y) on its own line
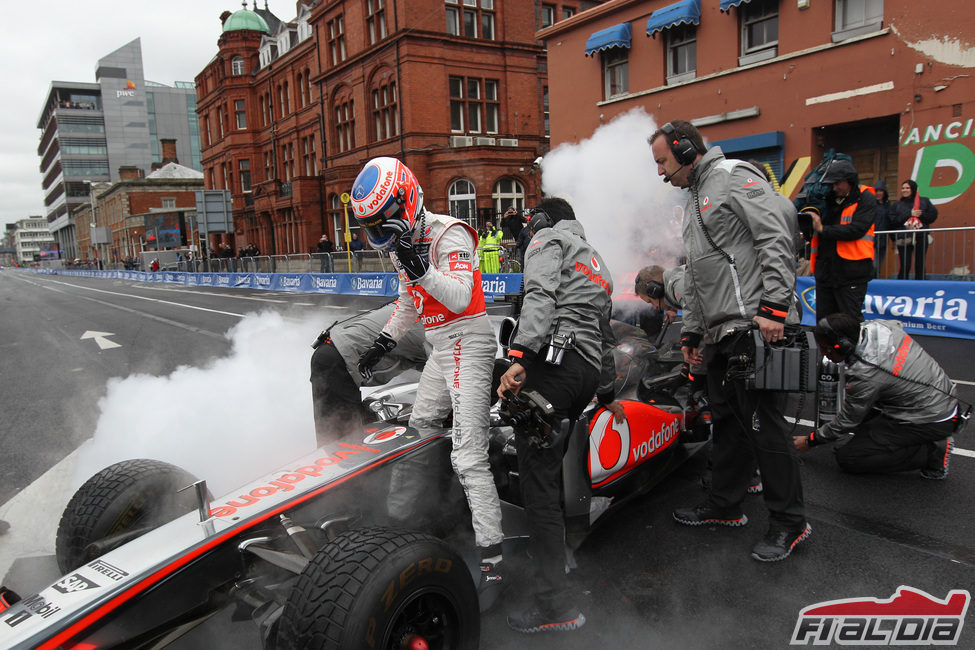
point(290, 111)
point(889, 82)
point(165, 199)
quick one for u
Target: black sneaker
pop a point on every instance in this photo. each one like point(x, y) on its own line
point(7, 598)
point(491, 584)
point(937, 469)
point(778, 543)
point(755, 483)
point(534, 620)
point(707, 514)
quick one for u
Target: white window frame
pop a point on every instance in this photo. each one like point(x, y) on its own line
point(688, 39)
point(503, 198)
point(754, 13)
point(237, 66)
point(240, 114)
point(857, 17)
point(462, 194)
point(616, 72)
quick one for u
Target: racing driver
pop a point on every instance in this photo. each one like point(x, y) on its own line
point(440, 284)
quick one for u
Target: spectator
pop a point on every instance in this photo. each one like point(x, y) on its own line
point(324, 250)
point(842, 243)
point(524, 237)
point(560, 300)
point(882, 222)
point(748, 278)
point(154, 266)
point(490, 249)
point(439, 285)
point(512, 223)
point(898, 401)
point(913, 213)
point(356, 247)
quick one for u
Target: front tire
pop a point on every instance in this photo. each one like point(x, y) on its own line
point(382, 589)
point(126, 496)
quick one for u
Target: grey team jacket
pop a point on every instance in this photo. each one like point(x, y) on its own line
point(568, 287)
point(884, 343)
point(756, 231)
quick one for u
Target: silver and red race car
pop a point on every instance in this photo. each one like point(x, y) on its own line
point(313, 553)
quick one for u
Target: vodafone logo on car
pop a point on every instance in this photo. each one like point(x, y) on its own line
point(609, 446)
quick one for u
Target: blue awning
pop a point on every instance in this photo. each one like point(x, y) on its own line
point(726, 5)
point(615, 36)
point(685, 11)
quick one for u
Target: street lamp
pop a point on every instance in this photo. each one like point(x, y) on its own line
point(91, 204)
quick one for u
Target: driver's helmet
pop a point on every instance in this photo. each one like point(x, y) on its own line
point(386, 201)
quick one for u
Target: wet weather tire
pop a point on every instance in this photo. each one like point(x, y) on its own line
point(379, 588)
point(130, 495)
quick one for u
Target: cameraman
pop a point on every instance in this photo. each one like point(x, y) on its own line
point(898, 400)
point(566, 305)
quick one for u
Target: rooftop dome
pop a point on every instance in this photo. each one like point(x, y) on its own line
point(245, 19)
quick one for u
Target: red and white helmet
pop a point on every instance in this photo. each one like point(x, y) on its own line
point(386, 201)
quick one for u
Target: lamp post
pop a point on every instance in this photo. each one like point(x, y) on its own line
point(92, 224)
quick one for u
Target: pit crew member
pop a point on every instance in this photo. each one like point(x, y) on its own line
point(898, 401)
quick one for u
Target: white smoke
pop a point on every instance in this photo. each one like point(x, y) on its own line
point(230, 422)
point(630, 215)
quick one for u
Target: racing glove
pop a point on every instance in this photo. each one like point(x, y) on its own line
point(414, 264)
point(383, 344)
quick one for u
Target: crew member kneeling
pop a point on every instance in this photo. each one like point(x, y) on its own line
point(899, 402)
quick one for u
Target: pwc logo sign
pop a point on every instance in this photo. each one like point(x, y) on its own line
point(909, 617)
point(129, 90)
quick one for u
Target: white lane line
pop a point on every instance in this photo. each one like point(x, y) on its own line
point(210, 293)
point(165, 302)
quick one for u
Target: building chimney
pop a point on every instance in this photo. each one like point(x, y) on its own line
point(168, 146)
point(130, 172)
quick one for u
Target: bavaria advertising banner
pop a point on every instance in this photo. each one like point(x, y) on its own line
point(924, 306)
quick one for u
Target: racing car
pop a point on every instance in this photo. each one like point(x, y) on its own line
point(312, 554)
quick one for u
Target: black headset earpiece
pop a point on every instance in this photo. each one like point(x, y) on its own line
point(840, 343)
point(539, 220)
point(684, 150)
point(654, 290)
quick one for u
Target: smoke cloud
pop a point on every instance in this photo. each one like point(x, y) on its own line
point(631, 216)
point(235, 419)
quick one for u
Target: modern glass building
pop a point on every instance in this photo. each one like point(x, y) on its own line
point(89, 130)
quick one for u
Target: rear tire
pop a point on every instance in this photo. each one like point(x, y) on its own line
point(127, 495)
point(379, 588)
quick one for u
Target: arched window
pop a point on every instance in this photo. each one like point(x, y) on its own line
point(237, 65)
point(508, 193)
point(344, 110)
point(462, 200)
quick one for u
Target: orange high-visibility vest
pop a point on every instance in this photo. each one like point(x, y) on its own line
point(848, 249)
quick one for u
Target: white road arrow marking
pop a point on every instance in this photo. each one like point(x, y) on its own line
point(103, 343)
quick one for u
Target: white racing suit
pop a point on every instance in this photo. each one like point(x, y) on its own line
point(449, 302)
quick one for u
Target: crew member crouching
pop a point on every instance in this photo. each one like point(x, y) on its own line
point(898, 401)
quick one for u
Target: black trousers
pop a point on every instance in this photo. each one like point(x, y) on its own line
point(569, 387)
point(846, 299)
point(916, 250)
point(736, 442)
point(335, 395)
point(882, 446)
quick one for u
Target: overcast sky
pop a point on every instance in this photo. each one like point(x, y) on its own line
point(63, 40)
